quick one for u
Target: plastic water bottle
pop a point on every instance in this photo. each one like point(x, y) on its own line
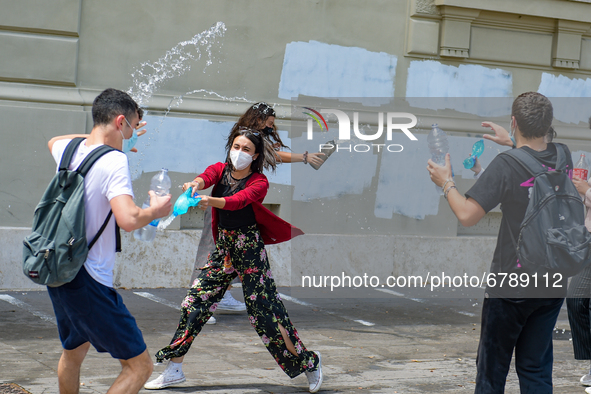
point(438, 146)
point(160, 185)
point(582, 168)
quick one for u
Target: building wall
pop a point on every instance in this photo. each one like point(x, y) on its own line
point(57, 56)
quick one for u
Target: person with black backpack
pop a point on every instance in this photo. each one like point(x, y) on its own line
point(520, 312)
point(87, 308)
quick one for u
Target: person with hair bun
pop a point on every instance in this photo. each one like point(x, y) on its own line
point(261, 116)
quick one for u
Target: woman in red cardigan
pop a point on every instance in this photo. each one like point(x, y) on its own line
point(241, 228)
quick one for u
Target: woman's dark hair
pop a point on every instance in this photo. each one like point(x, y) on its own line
point(255, 118)
point(551, 134)
point(266, 155)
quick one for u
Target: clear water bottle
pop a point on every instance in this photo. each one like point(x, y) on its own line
point(438, 146)
point(582, 168)
point(160, 185)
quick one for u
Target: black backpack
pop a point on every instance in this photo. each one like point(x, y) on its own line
point(57, 247)
point(552, 236)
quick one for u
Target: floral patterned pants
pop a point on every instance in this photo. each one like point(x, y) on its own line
point(241, 252)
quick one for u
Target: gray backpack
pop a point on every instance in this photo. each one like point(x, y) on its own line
point(552, 235)
point(57, 247)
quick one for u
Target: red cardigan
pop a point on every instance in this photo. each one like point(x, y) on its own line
point(273, 229)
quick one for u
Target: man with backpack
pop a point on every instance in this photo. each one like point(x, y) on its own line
point(88, 310)
point(518, 313)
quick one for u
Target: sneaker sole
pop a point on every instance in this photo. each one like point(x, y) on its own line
point(165, 385)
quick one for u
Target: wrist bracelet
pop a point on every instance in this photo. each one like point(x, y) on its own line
point(446, 182)
point(447, 191)
point(305, 156)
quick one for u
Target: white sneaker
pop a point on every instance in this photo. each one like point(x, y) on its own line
point(315, 377)
point(211, 320)
point(588, 390)
point(586, 380)
point(173, 374)
point(229, 303)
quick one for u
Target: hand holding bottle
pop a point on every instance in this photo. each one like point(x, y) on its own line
point(440, 174)
point(581, 185)
point(161, 205)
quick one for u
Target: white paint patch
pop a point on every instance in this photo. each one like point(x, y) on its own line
point(323, 70)
point(430, 78)
point(567, 96)
point(157, 299)
point(188, 146)
point(344, 173)
point(404, 185)
point(27, 307)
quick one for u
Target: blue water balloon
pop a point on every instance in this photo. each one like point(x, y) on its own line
point(185, 200)
point(477, 150)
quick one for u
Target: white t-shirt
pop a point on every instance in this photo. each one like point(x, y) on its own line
point(108, 178)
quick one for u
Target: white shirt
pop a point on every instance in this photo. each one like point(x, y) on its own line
point(108, 178)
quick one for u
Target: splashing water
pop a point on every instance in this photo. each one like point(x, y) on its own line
point(149, 76)
point(165, 223)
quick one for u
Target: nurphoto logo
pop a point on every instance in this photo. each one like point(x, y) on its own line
point(393, 122)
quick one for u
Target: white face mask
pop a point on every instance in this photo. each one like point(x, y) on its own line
point(240, 159)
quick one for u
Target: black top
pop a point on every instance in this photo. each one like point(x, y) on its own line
point(231, 220)
point(506, 182)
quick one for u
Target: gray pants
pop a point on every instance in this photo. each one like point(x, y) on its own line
point(206, 245)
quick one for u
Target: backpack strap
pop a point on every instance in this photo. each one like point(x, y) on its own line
point(83, 169)
point(117, 234)
point(561, 156)
point(533, 166)
point(98, 234)
point(526, 160)
point(69, 153)
point(92, 157)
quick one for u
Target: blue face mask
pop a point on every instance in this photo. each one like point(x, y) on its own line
point(128, 144)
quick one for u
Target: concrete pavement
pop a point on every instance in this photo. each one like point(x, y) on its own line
point(371, 342)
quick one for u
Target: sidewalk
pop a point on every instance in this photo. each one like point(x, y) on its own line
point(384, 344)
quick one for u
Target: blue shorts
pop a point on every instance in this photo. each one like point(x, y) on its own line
point(87, 311)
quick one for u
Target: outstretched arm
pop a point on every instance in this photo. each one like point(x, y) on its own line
point(288, 157)
point(131, 217)
point(64, 137)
